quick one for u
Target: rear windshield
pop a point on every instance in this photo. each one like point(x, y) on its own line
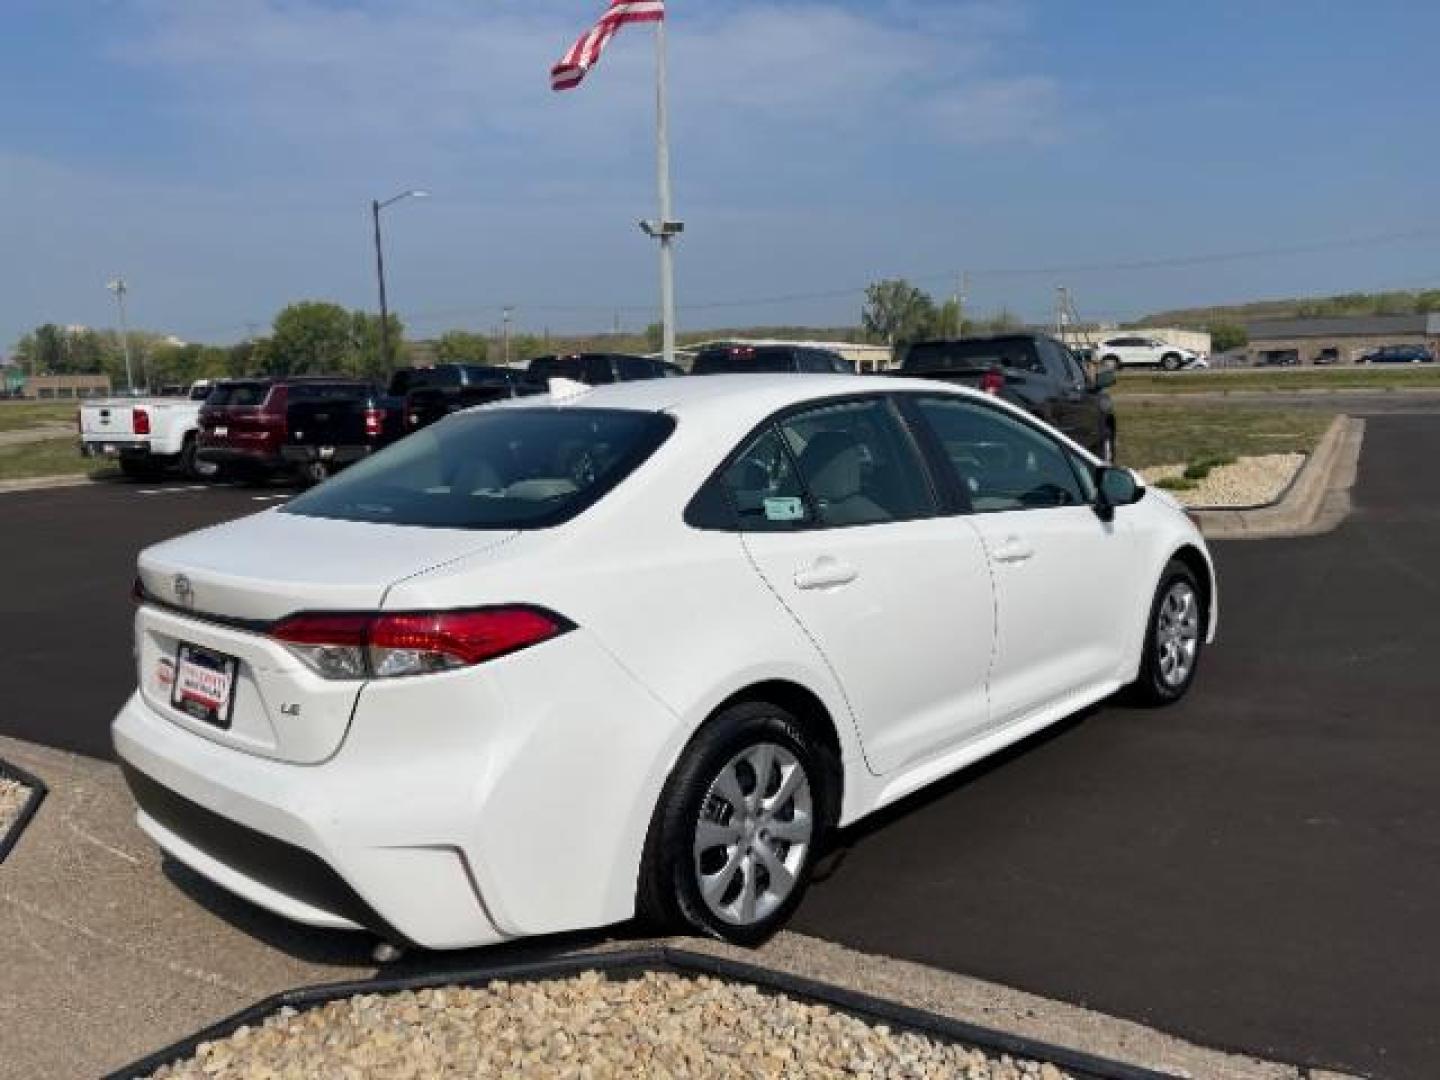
point(238, 395)
point(562, 367)
point(495, 469)
point(968, 355)
point(743, 361)
point(326, 391)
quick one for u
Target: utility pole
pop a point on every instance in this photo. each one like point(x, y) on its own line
point(506, 316)
point(665, 230)
point(119, 288)
point(962, 289)
point(375, 207)
point(380, 274)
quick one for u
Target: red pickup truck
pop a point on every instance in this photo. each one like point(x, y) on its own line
point(306, 425)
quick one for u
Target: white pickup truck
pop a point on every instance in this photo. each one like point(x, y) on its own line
point(146, 435)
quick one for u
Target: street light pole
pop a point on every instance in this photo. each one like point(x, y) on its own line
point(119, 288)
point(375, 207)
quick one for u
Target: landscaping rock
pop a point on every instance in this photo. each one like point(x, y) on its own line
point(590, 1028)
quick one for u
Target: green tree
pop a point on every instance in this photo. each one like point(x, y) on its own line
point(947, 320)
point(1225, 336)
point(366, 350)
point(310, 337)
point(897, 312)
point(462, 347)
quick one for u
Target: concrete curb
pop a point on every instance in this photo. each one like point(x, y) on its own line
point(44, 483)
point(1317, 500)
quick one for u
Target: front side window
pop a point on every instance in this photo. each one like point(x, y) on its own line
point(1001, 463)
point(495, 469)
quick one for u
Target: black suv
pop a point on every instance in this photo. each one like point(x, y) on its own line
point(1033, 371)
point(428, 394)
point(597, 368)
point(741, 359)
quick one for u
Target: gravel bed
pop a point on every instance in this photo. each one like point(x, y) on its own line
point(656, 1025)
point(13, 796)
point(1250, 481)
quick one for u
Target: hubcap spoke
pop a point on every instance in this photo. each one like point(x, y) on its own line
point(714, 886)
point(795, 831)
point(713, 834)
point(1177, 633)
point(781, 879)
point(727, 786)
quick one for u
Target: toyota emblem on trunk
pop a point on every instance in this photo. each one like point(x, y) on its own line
point(184, 591)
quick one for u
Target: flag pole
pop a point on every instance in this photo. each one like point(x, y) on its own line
point(666, 236)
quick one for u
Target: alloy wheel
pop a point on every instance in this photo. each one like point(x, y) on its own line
point(1177, 634)
point(754, 833)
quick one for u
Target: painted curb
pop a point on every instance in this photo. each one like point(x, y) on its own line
point(1315, 501)
point(631, 963)
point(38, 791)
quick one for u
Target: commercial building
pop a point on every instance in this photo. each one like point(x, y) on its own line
point(1343, 341)
point(64, 386)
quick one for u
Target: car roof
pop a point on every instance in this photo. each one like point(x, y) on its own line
point(746, 398)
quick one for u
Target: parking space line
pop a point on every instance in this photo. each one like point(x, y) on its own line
point(172, 490)
point(269, 498)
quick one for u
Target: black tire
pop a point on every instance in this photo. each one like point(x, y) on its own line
point(190, 464)
point(312, 473)
point(134, 468)
point(1170, 361)
point(1113, 360)
point(669, 891)
point(1157, 684)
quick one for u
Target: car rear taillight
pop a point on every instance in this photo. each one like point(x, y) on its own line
point(140, 421)
point(992, 382)
point(358, 645)
point(374, 422)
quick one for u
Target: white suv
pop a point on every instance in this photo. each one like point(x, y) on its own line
point(1136, 350)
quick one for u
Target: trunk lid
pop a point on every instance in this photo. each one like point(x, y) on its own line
point(108, 418)
point(217, 591)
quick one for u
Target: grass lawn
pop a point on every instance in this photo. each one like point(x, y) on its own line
point(1159, 433)
point(18, 415)
point(49, 457)
point(1382, 377)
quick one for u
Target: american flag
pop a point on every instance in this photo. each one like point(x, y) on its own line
point(573, 67)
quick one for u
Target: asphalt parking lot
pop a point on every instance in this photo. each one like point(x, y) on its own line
point(1255, 869)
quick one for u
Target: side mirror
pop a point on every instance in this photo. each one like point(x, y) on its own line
point(1117, 487)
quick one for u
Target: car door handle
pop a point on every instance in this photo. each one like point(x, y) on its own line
point(1012, 550)
point(825, 573)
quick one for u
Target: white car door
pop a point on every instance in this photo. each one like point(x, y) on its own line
point(1065, 589)
point(838, 515)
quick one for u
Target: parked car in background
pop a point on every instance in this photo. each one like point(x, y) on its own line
point(1398, 354)
point(597, 369)
point(246, 424)
point(741, 359)
point(557, 661)
point(146, 435)
point(1329, 355)
point(428, 393)
point(1030, 370)
point(1278, 358)
point(1142, 350)
point(330, 426)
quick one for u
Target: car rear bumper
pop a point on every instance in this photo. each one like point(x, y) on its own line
point(100, 447)
point(229, 455)
point(461, 809)
point(288, 838)
point(339, 455)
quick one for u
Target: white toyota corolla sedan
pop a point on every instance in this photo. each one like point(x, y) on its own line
point(636, 648)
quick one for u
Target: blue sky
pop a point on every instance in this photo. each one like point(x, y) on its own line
point(222, 155)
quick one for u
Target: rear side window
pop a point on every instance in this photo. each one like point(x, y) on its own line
point(850, 463)
point(496, 469)
point(637, 367)
point(245, 395)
